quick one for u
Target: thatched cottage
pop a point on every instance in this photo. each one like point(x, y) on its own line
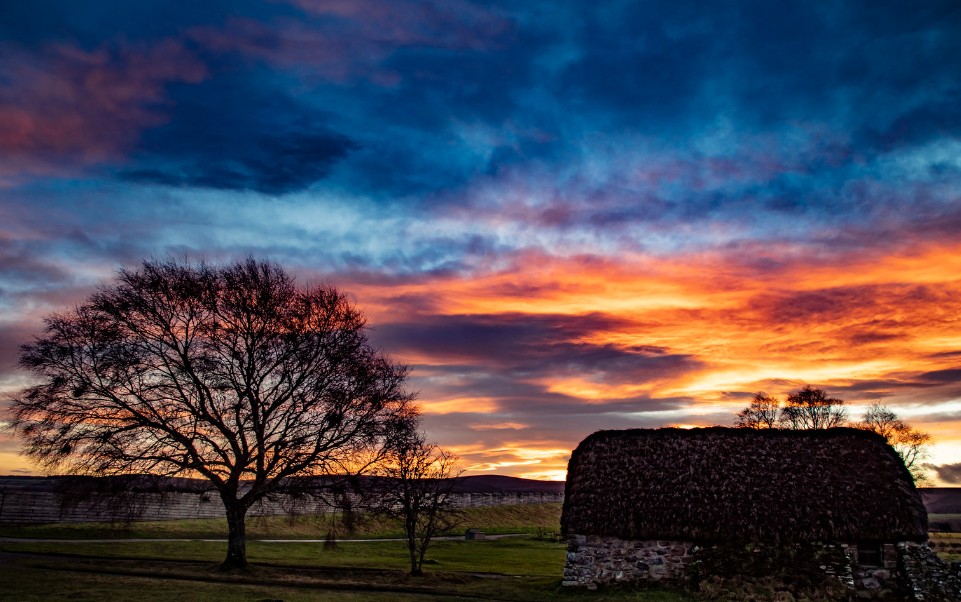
point(638, 503)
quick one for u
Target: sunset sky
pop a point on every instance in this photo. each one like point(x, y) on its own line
point(565, 216)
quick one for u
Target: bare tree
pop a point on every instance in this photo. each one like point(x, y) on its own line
point(417, 481)
point(762, 413)
point(233, 373)
point(911, 445)
point(811, 408)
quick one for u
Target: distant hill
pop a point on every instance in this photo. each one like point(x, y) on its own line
point(938, 500)
point(472, 484)
point(502, 484)
point(942, 500)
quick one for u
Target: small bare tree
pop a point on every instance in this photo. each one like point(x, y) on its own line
point(417, 480)
point(911, 445)
point(811, 408)
point(232, 373)
point(762, 413)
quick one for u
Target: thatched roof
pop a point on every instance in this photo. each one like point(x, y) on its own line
point(723, 484)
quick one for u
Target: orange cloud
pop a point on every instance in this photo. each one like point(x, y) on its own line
point(870, 326)
point(542, 350)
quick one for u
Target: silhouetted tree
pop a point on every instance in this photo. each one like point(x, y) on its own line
point(233, 373)
point(762, 413)
point(911, 445)
point(811, 408)
point(417, 481)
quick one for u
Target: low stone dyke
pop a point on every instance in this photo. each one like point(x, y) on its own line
point(929, 579)
point(36, 501)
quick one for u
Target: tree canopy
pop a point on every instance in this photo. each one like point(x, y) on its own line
point(233, 373)
point(911, 444)
point(811, 408)
point(762, 413)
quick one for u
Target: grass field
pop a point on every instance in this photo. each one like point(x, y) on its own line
point(946, 543)
point(527, 567)
point(506, 569)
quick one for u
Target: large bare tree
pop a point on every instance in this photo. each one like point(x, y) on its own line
point(233, 373)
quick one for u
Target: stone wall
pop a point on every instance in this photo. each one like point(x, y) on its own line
point(594, 560)
point(910, 570)
point(478, 500)
point(907, 570)
point(39, 502)
point(926, 576)
point(872, 581)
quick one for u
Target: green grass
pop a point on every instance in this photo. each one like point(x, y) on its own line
point(521, 568)
point(509, 556)
point(508, 569)
point(35, 584)
point(946, 543)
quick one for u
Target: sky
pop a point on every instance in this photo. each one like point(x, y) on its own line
point(564, 216)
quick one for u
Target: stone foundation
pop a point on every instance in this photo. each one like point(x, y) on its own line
point(906, 570)
point(595, 560)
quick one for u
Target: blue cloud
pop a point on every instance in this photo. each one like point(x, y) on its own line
point(230, 134)
point(37, 22)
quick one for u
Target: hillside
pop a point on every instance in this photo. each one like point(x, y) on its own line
point(503, 484)
point(942, 500)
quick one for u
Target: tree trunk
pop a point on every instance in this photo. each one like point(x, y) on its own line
point(236, 536)
point(415, 567)
point(421, 552)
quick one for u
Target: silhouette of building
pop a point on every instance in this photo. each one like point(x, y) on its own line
point(640, 504)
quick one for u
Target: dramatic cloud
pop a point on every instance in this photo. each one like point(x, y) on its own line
point(564, 216)
point(949, 473)
point(66, 106)
point(230, 135)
